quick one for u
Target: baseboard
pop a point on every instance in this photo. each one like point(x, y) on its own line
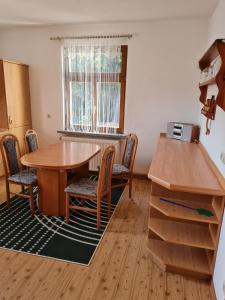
point(140, 176)
point(212, 291)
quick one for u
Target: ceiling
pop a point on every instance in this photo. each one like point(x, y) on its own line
point(49, 12)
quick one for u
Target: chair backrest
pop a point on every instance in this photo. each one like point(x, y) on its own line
point(130, 151)
point(11, 154)
point(31, 140)
point(105, 173)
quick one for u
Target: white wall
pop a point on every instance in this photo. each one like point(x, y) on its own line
point(161, 80)
point(215, 144)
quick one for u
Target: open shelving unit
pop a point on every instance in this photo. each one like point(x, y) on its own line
point(179, 239)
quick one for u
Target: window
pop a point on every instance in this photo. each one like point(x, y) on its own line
point(94, 87)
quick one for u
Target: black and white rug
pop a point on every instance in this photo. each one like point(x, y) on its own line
point(51, 236)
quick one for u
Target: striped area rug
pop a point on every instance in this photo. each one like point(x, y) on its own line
point(50, 236)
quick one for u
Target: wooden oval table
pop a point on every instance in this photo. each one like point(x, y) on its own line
point(53, 163)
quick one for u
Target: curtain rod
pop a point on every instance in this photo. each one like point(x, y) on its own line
point(59, 38)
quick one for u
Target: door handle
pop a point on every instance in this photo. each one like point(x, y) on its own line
point(10, 120)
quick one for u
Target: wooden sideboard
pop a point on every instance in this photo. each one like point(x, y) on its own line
point(179, 239)
point(15, 109)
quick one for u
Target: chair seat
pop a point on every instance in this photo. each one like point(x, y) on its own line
point(119, 169)
point(83, 186)
point(24, 177)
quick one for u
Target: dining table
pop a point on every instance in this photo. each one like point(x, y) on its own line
point(54, 165)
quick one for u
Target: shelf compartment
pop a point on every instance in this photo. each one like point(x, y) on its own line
point(186, 234)
point(181, 213)
point(208, 82)
point(180, 259)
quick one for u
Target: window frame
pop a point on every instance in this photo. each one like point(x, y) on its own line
point(77, 77)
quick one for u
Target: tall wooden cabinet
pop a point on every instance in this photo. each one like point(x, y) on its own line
point(15, 109)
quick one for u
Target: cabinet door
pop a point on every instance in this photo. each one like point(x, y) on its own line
point(3, 104)
point(17, 94)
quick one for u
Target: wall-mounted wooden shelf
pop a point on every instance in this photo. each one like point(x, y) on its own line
point(217, 50)
point(181, 240)
point(208, 82)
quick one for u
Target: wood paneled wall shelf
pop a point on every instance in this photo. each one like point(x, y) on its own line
point(209, 111)
point(212, 66)
point(209, 108)
point(180, 239)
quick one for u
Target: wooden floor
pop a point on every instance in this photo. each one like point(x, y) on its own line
point(121, 269)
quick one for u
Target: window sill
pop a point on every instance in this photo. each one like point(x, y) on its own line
point(116, 136)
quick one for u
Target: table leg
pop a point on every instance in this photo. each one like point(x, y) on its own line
point(52, 183)
point(62, 195)
point(51, 191)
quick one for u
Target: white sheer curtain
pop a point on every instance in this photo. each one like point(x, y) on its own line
point(92, 89)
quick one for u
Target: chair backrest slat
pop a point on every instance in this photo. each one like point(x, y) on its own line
point(105, 173)
point(130, 151)
point(31, 140)
point(10, 154)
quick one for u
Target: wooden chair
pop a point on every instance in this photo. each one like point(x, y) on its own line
point(85, 188)
point(124, 171)
point(14, 173)
point(31, 140)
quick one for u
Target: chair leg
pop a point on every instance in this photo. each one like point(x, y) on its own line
point(98, 213)
point(109, 204)
point(67, 208)
point(23, 189)
point(130, 187)
point(31, 199)
point(7, 193)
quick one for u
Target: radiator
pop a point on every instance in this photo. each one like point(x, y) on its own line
point(103, 143)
